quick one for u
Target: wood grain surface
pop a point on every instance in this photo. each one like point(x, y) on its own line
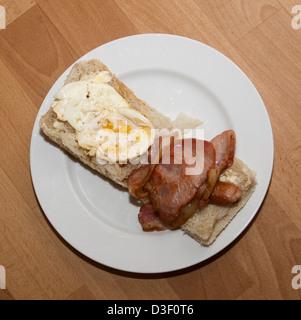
point(42, 39)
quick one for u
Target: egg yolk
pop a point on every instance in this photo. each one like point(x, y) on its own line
point(122, 127)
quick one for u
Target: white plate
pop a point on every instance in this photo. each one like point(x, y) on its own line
point(172, 74)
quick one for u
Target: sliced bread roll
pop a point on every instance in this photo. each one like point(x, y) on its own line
point(208, 222)
point(64, 134)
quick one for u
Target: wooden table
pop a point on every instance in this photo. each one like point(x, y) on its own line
point(44, 37)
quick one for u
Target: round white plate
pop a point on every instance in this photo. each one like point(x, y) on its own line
point(173, 74)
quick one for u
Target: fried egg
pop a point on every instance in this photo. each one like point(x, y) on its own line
point(106, 125)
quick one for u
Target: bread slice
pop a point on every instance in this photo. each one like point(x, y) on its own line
point(208, 222)
point(64, 134)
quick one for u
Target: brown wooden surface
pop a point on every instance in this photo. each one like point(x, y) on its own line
point(44, 37)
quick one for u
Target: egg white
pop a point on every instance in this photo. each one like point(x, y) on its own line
point(106, 126)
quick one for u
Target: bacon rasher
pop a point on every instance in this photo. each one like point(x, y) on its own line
point(173, 196)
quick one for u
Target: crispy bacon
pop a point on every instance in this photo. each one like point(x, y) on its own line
point(224, 145)
point(225, 193)
point(170, 188)
point(138, 179)
point(173, 193)
point(189, 209)
point(141, 176)
point(149, 220)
